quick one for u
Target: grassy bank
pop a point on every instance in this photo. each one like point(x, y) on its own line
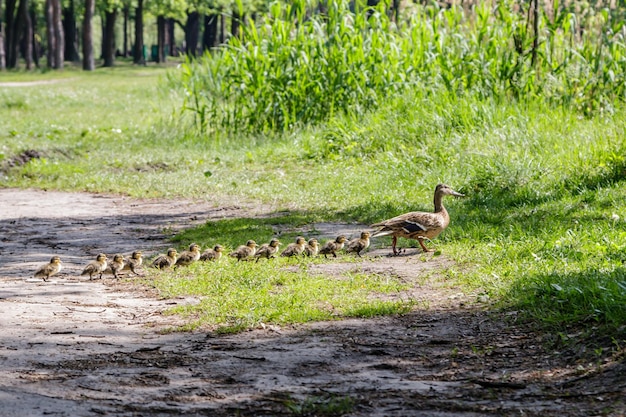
point(541, 232)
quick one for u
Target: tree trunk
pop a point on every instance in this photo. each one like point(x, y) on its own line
point(59, 47)
point(50, 56)
point(70, 33)
point(88, 58)
point(533, 59)
point(171, 38)
point(126, 12)
point(109, 38)
point(26, 31)
point(138, 57)
point(209, 36)
point(35, 44)
point(192, 33)
point(160, 58)
point(222, 28)
point(235, 24)
point(12, 28)
point(3, 62)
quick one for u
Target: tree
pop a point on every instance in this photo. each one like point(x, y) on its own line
point(209, 35)
point(161, 39)
point(71, 33)
point(58, 34)
point(3, 62)
point(108, 38)
point(54, 31)
point(138, 57)
point(192, 33)
point(10, 43)
point(88, 58)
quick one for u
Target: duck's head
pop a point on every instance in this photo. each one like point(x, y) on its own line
point(313, 242)
point(101, 257)
point(55, 260)
point(444, 189)
point(194, 247)
point(118, 258)
point(275, 243)
point(251, 244)
point(341, 239)
point(365, 235)
point(136, 254)
point(300, 240)
point(218, 248)
point(172, 252)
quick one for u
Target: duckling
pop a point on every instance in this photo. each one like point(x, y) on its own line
point(332, 246)
point(47, 270)
point(418, 224)
point(134, 262)
point(268, 250)
point(244, 252)
point(358, 245)
point(212, 254)
point(96, 267)
point(189, 256)
point(294, 249)
point(166, 261)
point(116, 265)
point(312, 248)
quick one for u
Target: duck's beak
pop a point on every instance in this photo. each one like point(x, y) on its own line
point(454, 193)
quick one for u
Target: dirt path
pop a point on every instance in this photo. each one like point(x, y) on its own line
point(71, 347)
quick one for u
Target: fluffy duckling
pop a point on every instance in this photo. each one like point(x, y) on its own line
point(212, 254)
point(268, 250)
point(47, 270)
point(312, 248)
point(189, 256)
point(294, 249)
point(332, 246)
point(418, 224)
point(116, 265)
point(96, 267)
point(360, 244)
point(133, 263)
point(166, 261)
point(244, 252)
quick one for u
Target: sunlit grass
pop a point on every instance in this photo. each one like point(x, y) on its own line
point(542, 230)
point(239, 295)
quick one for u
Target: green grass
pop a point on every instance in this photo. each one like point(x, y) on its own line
point(240, 295)
point(537, 231)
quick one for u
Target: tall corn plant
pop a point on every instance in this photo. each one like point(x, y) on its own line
point(289, 68)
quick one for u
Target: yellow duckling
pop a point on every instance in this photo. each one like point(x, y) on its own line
point(244, 252)
point(333, 246)
point(166, 261)
point(312, 248)
point(212, 254)
point(47, 270)
point(267, 250)
point(360, 244)
point(96, 267)
point(133, 263)
point(189, 256)
point(116, 265)
point(418, 224)
point(294, 249)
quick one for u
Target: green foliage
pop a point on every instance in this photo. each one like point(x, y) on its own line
point(287, 70)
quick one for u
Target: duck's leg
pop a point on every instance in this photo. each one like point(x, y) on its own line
point(421, 241)
point(394, 242)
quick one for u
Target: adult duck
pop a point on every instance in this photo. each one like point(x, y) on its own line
point(418, 225)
